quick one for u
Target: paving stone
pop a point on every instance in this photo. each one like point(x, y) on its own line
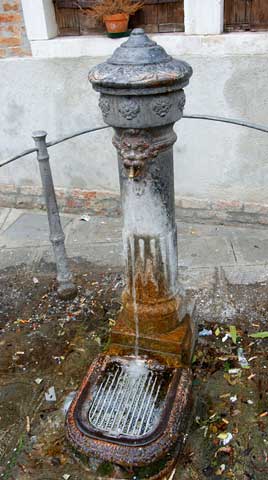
point(205, 252)
point(246, 274)
point(12, 216)
point(4, 212)
point(17, 257)
point(108, 255)
point(96, 230)
point(251, 249)
point(28, 229)
point(241, 251)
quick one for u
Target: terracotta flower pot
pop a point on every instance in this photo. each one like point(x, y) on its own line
point(117, 23)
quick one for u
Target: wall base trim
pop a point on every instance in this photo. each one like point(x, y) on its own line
point(188, 209)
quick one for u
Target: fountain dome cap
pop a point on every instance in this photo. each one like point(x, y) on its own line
point(140, 66)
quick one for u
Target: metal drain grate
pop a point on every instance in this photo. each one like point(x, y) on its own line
point(124, 404)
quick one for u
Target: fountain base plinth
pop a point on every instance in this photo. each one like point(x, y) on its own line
point(132, 412)
point(172, 348)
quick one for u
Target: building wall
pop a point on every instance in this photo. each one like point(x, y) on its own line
point(217, 167)
point(220, 170)
point(13, 38)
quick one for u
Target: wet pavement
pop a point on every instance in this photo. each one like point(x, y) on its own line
point(46, 342)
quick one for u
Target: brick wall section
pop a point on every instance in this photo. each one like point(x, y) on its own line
point(188, 209)
point(13, 39)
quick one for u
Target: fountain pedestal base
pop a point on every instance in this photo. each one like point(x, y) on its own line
point(173, 349)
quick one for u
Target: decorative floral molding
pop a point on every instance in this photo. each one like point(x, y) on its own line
point(129, 109)
point(161, 107)
point(104, 106)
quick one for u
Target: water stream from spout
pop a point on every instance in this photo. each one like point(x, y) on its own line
point(133, 268)
point(134, 297)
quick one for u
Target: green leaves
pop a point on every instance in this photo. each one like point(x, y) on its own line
point(233, 333)
point(259, 335)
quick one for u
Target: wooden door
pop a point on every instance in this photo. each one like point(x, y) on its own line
point(245, 15)
point(155, 16)
point(160, 16)
point(259, 15)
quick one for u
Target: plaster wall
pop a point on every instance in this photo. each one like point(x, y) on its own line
point(213, 162)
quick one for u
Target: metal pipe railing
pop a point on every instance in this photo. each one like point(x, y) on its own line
point(241, 123)
point(232, 121)
point(51, 144)
point(66, 287)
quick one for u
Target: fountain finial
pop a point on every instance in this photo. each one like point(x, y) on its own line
point(140, 63)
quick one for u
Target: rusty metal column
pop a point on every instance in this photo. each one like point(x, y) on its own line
point(142, 97)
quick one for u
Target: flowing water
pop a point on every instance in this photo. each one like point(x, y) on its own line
point(134, 297)
point(134, 193)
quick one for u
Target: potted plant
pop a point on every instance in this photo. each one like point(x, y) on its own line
point(114, 14)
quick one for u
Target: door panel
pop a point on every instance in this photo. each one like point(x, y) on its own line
point(245, 15)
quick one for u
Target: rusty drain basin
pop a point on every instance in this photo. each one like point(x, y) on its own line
point(130, 412)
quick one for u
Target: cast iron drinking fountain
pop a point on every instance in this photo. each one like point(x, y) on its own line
point(133, 406)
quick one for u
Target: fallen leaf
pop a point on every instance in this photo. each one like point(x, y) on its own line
point(225, 395)
point(233, 333)
point(20, 320)
point(252, 358)
point(28, 424)
point(231, 379)
point(194, 359)
point(259, 335)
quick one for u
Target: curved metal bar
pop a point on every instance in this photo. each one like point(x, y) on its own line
point(22, 154)
point(254, 126)
point(55, 142)
point(76, 134)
